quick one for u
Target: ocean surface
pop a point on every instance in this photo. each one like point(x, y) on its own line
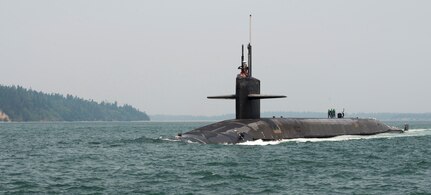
point(143, 158)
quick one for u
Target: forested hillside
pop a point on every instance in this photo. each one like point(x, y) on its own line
point(20, 104)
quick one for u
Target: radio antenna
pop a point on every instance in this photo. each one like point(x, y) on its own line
point(249, 31)
point(249, 50)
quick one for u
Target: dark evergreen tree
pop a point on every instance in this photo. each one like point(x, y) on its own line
point(21, 104)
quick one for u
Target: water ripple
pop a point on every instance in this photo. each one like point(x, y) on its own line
point(142, 158)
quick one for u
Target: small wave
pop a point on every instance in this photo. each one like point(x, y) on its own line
point(142, 139)
point(260, 142)
point(207, 175)
point(409, 133)
point(169, 139)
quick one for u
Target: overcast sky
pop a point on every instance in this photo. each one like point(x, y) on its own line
point(165, 57)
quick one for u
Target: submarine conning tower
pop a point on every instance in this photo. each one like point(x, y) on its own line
point(247, 94)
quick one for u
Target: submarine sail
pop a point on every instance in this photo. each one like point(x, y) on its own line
point(247, 96)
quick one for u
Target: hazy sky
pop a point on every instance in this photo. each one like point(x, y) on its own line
point(165, 57)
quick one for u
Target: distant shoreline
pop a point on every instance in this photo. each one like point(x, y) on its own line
point(20, 104)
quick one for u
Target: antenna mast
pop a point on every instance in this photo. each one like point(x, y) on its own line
point(249, 49)
point(242, 57)
point(249, 31)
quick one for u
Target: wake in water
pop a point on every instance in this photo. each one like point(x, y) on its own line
point(172, 139)
point(409, 133)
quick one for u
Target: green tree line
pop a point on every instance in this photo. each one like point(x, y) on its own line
point(22, 104)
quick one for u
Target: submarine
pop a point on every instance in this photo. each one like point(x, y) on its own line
point(249, 126)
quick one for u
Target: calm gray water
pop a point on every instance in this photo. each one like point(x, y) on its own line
point(141, 157)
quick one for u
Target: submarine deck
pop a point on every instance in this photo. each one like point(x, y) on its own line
point(241, 130)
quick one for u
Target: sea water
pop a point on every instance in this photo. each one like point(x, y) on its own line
point(143, 158)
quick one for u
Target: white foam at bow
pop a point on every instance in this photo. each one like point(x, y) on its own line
point(409, 133)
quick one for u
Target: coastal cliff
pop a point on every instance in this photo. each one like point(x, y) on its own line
point(4, 117)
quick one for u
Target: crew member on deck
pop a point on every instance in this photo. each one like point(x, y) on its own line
point(244, 70)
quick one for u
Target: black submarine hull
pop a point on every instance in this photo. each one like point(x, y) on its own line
point(248, 125)
point(241, 130)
